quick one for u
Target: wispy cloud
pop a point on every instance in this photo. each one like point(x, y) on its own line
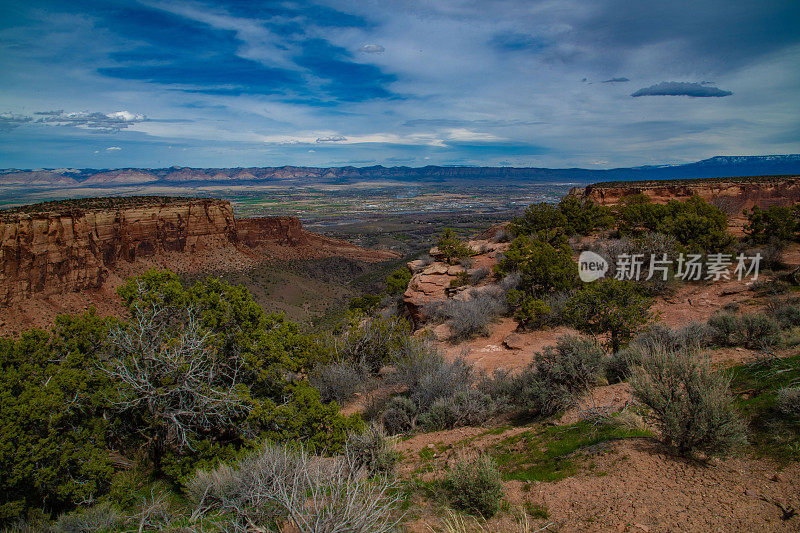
point(239, 82)
point(372, 49)
point(9, 121)
point(94, 121)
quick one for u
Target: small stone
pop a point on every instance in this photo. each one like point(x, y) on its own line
point(436, 268)
point(386, 371)
point(513, 341)
point(416, 265)
point(441, 332)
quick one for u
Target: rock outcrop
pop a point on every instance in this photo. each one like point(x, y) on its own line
point(431, 281)
point(732, 196)
point(61, 248)
point(286, 231)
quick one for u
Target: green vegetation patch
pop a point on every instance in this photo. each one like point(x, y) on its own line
point(549, 454)
point(772, 433)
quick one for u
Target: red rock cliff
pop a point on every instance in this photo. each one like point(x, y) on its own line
point(732, 196)
point(255, 232)
point(55, 252)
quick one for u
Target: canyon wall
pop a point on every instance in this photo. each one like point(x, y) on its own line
point(71, 250)
point(732, 197)
point(67, 249)
point(285, 231)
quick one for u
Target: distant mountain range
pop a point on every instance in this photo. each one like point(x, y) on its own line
point(715, 167)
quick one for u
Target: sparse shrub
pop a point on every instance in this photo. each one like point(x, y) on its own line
point(572, 215)
point(531, 312)
point(470, 316)
point(370, 450)
point(100, 517)
point(310, 494)
point(477, 275)
point(758, 331)
point(543, 267)
point(693, 336)
point(696, 225)
point(724, 327)
point(502, 235)
point(572, 365)
point(557, 302)
point(542, 220)
point(649, 245)
point(610, 306)
point(583, 216)
point(770, 250)
point(626, 419)
point(775, 222)
point(339, 381)
point(366, 303)
point(755, 331)
point(466, 408)
point(691, 405)
point(788, 401)
point(553, 381)
point(471, 407)
point(770, 287)
point(461, 279)
point(426, 376)
point(441, 381)
point(399, 415)
point(731, 307)
point(658, 336)
point(619, 365)
point(510, 281)
point(439, 416)
point(475, 487)
point(451, 247)
point(787, 314)
point(370, 343)
point(397, 281)
point(655, 337)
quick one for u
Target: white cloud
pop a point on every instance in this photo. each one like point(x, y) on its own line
point(126, 116)
point(372, 49)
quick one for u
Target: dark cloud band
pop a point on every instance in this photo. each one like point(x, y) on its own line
point(681, 88)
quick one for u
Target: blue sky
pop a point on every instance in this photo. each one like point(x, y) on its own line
point(554, 83)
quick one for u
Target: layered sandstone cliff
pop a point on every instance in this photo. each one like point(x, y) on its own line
point(52, 252)
point(732, 196)
point(60, 249)
point(286, 231)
